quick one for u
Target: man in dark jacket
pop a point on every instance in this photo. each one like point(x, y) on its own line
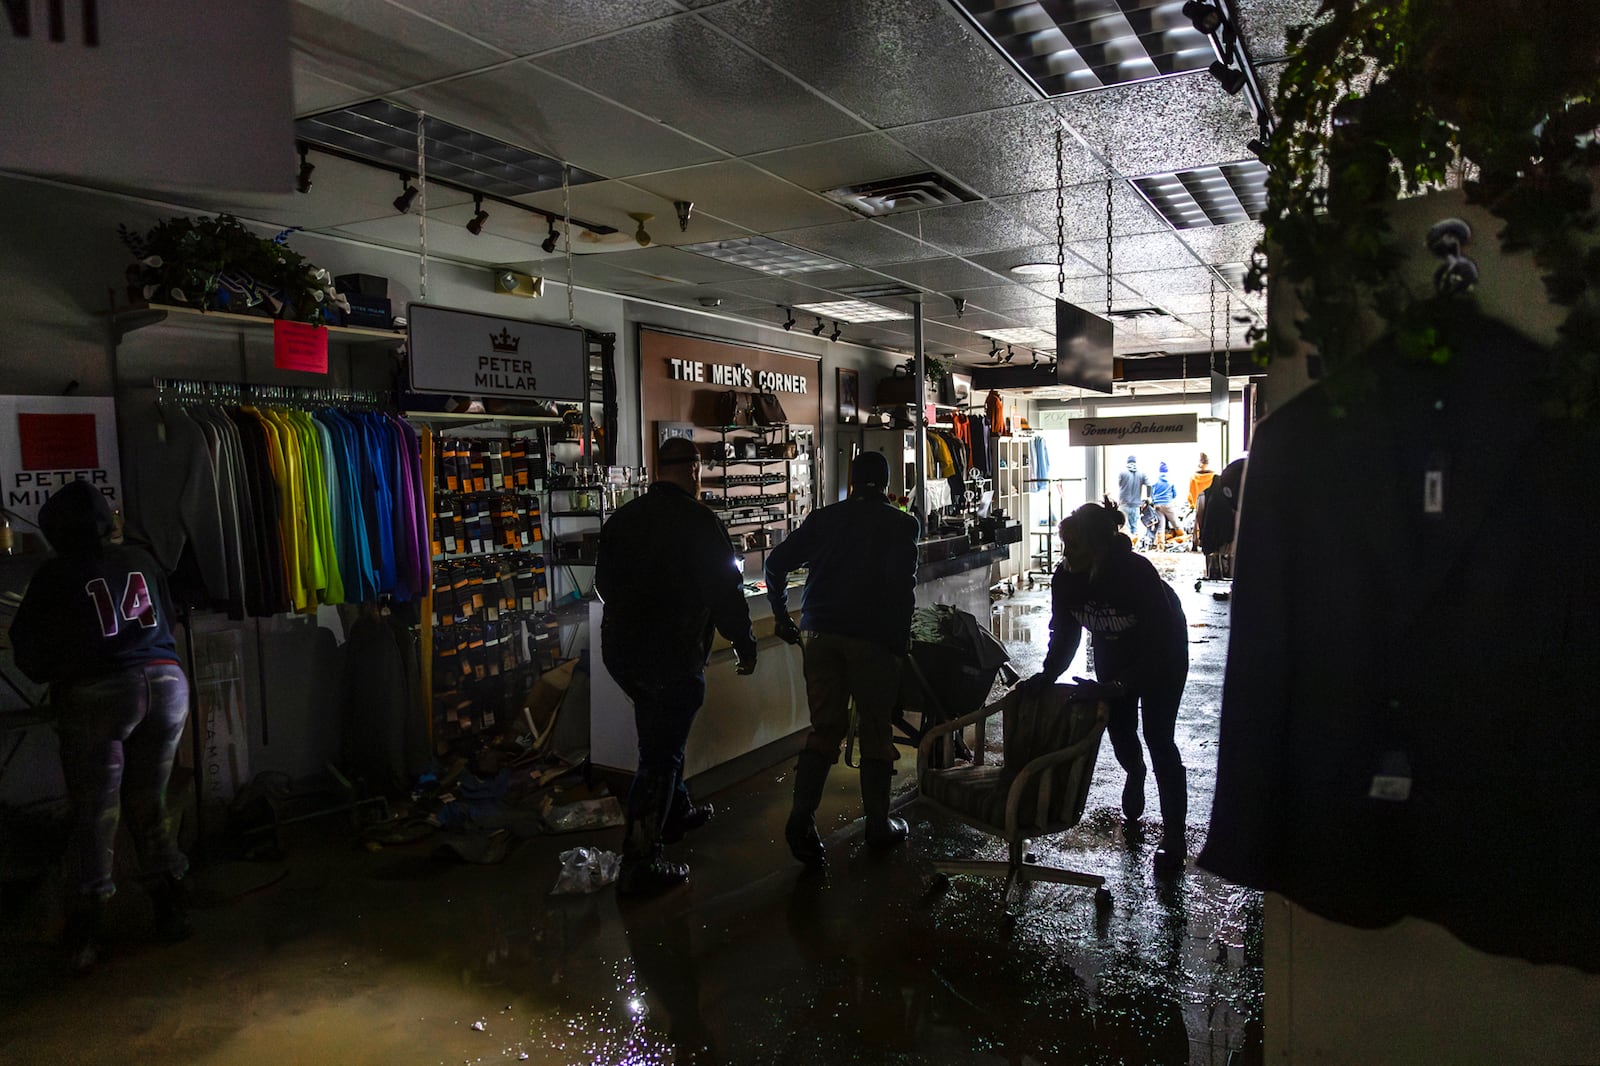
point(855, 627)
point(668, 576)
point(94, 624)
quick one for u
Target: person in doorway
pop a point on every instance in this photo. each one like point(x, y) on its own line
point(1140, 641)
point(1198, 484)
point(95, 623)
point(667, 576)
point(1131, 485)
point(855, 629)
point(1162, 493)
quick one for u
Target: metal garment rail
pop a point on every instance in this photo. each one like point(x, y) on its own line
point(246, 392)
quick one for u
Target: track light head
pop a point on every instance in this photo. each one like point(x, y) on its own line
point(1010, 355)
point(961, 304)
point(836, 332)
point(407, 197)
point(479, 217)
point(1033, 357)
point(1204, 17)
point(551, 239)
point(788, 322)
point(683, 208)
point(302, 181)
point(1230, 79)
point(816, 331)
point(994, 349)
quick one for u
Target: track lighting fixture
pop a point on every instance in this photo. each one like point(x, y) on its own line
point(1204, 17)
point(683, 208)
point(1033, 357)
point(961, 305)
point(479, 217)
point(816, 331)
point(407, 197)
point(551, 239)
point(302, 181)
point(994, 350)
point(788, 322)
point(1230, 79)
point(1010, 355)
point(836, 332)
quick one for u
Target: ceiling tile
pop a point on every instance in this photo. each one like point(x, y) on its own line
point(521, 28)
point(738, 193)
point(378, 47)
point(1178, 282)
point(965, 228)
point(1000, 153)
point(1262, 24)
point(680, 266)
point(848, 161)
point(608, 203)
point(890, 61)
point(1144, 251)
point(1163, 125)
point(861, 241)
point(941, 274)
point(1075, 267)
point(1224, 244)
point(1084, 211)
point(1002, 298)
point(527, 107)
point(779, 291)
point(687, 76)
point(314, 92)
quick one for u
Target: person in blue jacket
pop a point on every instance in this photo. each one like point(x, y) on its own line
point(95, 624)
point(855, 630)
point(1140, 641)
point(1162, 495)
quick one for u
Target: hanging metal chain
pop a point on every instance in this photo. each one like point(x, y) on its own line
point(422, 208)
point(1061, 221)
point(1213, 321)
point(566, 236)
point(1109, 173)
point(1227, 331)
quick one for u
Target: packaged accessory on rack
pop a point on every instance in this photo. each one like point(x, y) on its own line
point(768, 411)
point(782, 449)
point(733, 409)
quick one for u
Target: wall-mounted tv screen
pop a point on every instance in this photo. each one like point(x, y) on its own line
point(1083, 348)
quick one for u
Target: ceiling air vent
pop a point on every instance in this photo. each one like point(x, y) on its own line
point(1208, 196)
point(893, 195)
point(1139, 313)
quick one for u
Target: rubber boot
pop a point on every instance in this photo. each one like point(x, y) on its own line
point(644, 870)
point(800, 832)
point(169, 900)
point(883, 831)
point(1173, 854)
point(81, 936)
point(1133, 797)
point(685, 816)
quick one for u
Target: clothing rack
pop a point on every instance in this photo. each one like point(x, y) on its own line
point(185, 389)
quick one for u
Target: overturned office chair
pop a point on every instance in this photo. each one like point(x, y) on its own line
point(1052, 737)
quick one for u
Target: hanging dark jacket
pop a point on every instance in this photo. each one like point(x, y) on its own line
point(668, 576)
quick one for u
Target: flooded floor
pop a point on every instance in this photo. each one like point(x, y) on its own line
point(341, 955)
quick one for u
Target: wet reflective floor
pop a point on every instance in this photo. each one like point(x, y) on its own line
point(340, 955)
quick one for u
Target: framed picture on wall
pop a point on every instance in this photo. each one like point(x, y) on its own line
point(849, 394)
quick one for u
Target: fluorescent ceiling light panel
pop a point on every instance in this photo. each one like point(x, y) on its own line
point(1027, 336)
point(1070, 46)
point(386, 134)
point(852, 311)
point(763, 254)
point(1208, 196)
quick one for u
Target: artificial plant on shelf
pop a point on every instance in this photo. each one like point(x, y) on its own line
point(218, 264)
point(1385, 98)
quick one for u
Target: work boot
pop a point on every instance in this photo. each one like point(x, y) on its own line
point(883, 831)
point(685, 817)
point(800, 832)
point(81, 936)
point(1173, 854)
point(168, 898)
point(644, 870)
point(1133, 797)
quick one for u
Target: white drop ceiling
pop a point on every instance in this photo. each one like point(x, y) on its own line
point(752, 109)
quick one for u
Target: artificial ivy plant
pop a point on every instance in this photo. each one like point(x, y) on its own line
point(1384, 98)
point(220, 264)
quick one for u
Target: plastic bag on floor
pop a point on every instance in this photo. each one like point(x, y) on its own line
point(602, 813)
point(586, 870)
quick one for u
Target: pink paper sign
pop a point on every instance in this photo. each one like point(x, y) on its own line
point(299, 346)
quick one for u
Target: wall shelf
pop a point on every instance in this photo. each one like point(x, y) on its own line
point(126, 320)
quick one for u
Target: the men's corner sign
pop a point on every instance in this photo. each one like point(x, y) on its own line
point(49, 441)
point(1135, 429)
point(468, 354)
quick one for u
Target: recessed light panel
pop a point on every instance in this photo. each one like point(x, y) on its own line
point(763, 254)
point(852, 311)
point(387, 133)
point(1028, 337)
point(1070, 46)
point(1208, 196)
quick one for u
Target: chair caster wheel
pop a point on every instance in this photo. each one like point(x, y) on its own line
point(1102, 899)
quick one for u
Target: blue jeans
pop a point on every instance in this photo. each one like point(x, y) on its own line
point(119, 735)
point(663, 711)
point(1134, 528)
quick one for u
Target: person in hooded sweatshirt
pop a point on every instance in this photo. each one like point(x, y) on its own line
point(1140, 641)
point(1162, 494)
point(95, 624)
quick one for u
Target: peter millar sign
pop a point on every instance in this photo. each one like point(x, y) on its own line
point(467, 354)
point(1134, 429)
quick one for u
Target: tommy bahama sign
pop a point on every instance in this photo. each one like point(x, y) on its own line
point(1134, 429)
